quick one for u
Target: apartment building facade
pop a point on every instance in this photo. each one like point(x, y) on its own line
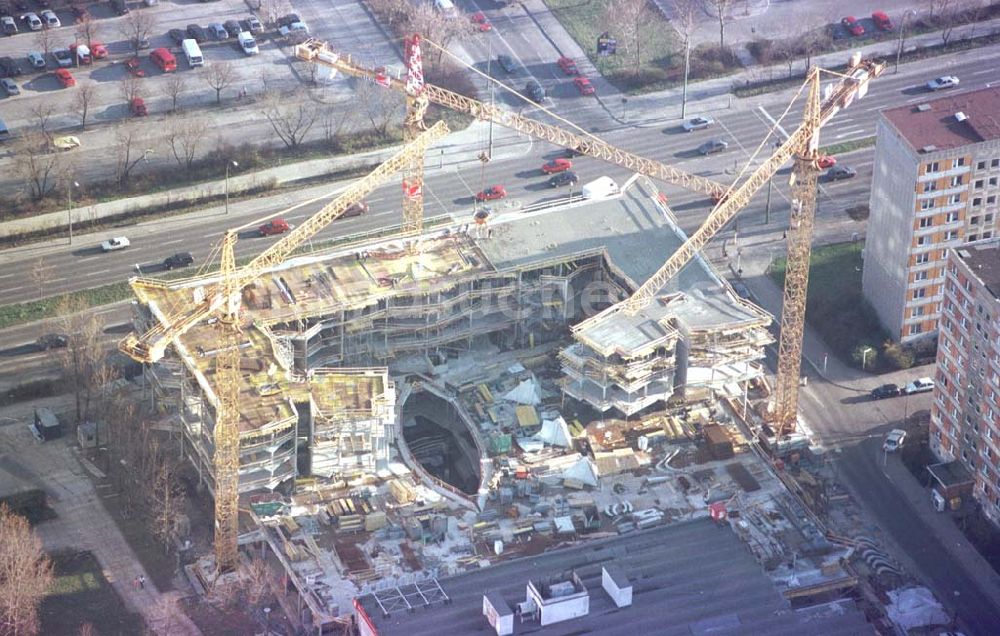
point(965, 412)
point(935, 186)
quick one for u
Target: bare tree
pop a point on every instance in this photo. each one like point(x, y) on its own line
point(291, 118)
point(37, 164)
point(87, 28)
point(130, 88)
point(87, 629)
point(168, 501)
point(720, 8)
point(83, 354)
point(437, 27)
point(335, 120)
point(627, 19)
point(184, 137)
point(220, 76)
point(977, 12)
point(82, 100)
point(174, 87)
point(947, 20)
point(380, 106)
point(41, 275)
point(41, 113)
point(25, 575)
point(130, 148)
point(46, 40)
point(135, 27)
point(271, 10)
point(936, 7)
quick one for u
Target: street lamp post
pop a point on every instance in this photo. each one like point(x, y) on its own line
point(267, 621)
point(234, 164)
point(69, 207)
point(864, 357)
point(899, 47)
point(687, 70)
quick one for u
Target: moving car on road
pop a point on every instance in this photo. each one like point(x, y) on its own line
point(355, 209)
point(825, 161)
point(180, 259)
point(894, 440)
point(480, 22)
point(563, 179)
point(583, 85)
point(920, 385)
point(491, 193)
point(698, 123)
point(52, 341)
point(568, 65)
point(885, 391)
point(557, 165)
point(274, 226)
point(507, 63)
point(534, 91)
point(115, 244)
point(943, 82)
point(838, 173)
point(712, 147)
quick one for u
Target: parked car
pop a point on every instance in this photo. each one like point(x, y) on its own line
point(50, 19)
point(80, 12)
point(567, 65)
point(65, 78)
point(884, 391)
point(254, 25)
point(177, 35)
point(81, 52)
point(98, 50)
point(941, 83)
point(920, 385)
point(119, 7)
point(66, 142)
point(10, 87)
point(713, 146)
point(480, 23)
point(134, 67)
point(36, 59)
point(825, 161)
point(137, 107)
point(853, 26)
point(534, 91)
point(274, 226)
point(247, 44)
point(180, 259)
point(557, 165)
point(218, 31)
point(33, 21)
point(507, 63)
point(9, 25)
point(290, 18)
point(295, 31)
point(115, 244)
point(839, 173)
point(233, 28)
point(52, 341)
point(583, 85)
point(697, 123)
point(563, 179)
point(197, 33)
point(894, 440)
point(491, 193)
point(355, 209)
point(9, 67)
point(64, 59)
point(882, 21)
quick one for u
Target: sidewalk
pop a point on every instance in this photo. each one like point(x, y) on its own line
point(769, 296)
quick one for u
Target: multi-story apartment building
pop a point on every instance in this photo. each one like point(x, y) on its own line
point(935, 185)
point(965, 413)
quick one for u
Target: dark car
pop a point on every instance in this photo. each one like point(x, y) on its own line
point(52, 341)
point(180, 259)
point(563, 179)
point(119, 7)
point(838, 173)
point(196, 33)
point(885, 391)
point(177, 35)
point(712, 147)
point(355, 209)
point(9, 67)
point(291, 18)
point(534, 91)
point(218, 31)
point(507, 63)
point(233, 27)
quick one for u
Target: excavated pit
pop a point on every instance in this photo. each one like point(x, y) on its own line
point(439, 439)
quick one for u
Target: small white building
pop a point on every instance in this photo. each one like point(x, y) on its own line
point(615, 582)
point(498, 613)
point(557, 602)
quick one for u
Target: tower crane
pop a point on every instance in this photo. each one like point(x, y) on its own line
point(224, 300)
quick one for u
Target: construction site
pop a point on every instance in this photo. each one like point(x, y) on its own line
point(392, 422)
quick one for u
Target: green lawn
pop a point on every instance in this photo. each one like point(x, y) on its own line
point(835, 307)
point(81, 594)
point(585, 21)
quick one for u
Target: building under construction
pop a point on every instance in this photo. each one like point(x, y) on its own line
point(331, 339)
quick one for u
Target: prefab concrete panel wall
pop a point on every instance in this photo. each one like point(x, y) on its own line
point(622, 596)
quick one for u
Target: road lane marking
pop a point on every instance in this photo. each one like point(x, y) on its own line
point(89, 258)
point(180, 240)
point(983, 72)
point(12, 289)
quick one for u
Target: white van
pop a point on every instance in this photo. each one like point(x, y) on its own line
point(247, 44)
point(446, 8)
point(193, 53)
point(600, 188)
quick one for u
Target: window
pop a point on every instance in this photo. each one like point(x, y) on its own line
point(955, 198)
point(951, 235)
point(974, 220)
point(922, 258)
point(979, 184)
point(951, 218)
point(932, 167)
point(971, 238)
point(957, 163)
point(921, 275)
point(927, 221)
point(977, 201)
point(930, 186)
point(990, 200)
point(918, 311)
point(922, 240)
point(981, 165)
point(987, 235)
point(915, 329)
point(993, 181)
point(919, 292)
point(988, 218)
point(956, 180)
point(995, 163)
point(926, 204)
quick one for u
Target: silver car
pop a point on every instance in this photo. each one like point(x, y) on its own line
point(9, 86)
point(941, 83)
point(36, 59)
point(115, 244)
point(698, 123)
point(64, 59)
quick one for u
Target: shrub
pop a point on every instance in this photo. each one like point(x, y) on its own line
point(861, 359)
point(762, 50)
point(897, 356)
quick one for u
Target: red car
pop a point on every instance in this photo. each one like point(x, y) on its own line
point(852, 25)
point(276, 226)
point(568, 66)
point(557, 165)
point(480, 22)
point(583, 85)
point(65, 78)
point(491, 193)
point(138, 107)
point(134, 67)
point(825, 162)
point(882, 21)
point(98, 50)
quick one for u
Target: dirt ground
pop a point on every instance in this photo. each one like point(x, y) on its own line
point(81, 595)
